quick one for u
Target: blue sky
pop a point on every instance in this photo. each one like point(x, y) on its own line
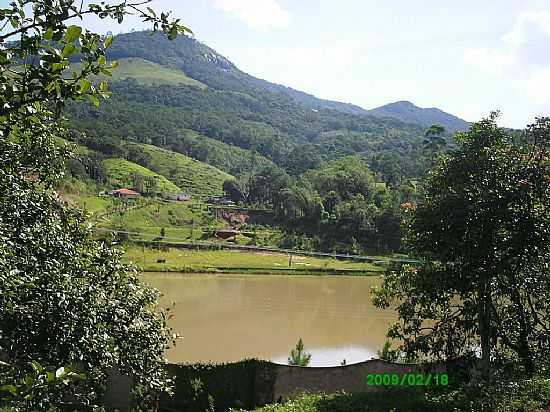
point(466, 57)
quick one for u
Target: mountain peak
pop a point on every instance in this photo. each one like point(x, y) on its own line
point(407, 111)
point(205, 65)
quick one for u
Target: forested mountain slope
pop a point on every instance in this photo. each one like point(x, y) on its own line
point(253, 123)
point(204, 64)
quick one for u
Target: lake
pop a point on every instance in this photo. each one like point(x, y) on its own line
point(227, 318)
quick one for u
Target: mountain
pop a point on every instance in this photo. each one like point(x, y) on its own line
point(408, 112)
point(204, 64)
point(184, 97)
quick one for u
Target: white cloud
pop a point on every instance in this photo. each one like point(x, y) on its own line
point(257, 14)
point(537, 86)
point(522, 58)
point(522, 31)
point(326, 70)
point(491, 60)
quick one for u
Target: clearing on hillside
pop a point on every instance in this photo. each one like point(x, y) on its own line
point(123, 173)
point(196, 178)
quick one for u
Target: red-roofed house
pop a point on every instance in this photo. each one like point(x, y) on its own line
point(126, 193)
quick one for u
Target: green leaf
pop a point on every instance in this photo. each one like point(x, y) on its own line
point(57, 67)
point(49, 34)
point(102, 60)
point(106, 72)
point(68, 50)
point(104, 86)
point(84, 85)
point(29, 380)
point(73, 33)
point(173, 33)
point(9, 388)
point(60, 372)
point(150, 10)
point(93, 98)
point(50, 377)
point(36, 366)
point(108, 42)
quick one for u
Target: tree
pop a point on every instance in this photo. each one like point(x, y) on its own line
point(483, 236)
point(298, 357)
point(64, 297)
point(434, 140)
point(266, 184)
point(234, 190)
point(389, 354)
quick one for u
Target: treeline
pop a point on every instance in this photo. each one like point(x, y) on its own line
point(231, 136)
point(238, 123)
point(339, 207)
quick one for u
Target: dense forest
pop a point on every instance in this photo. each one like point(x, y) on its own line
point(238, 110)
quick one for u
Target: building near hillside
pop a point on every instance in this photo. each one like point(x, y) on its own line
point(124, 193)
point(220, 201)
point(181, 197)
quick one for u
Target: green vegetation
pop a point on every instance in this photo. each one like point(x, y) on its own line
point(190, 175)
point(482, 234)
point(298, 355)
point(238, 110)
point(236, 261)
point(526, 396)
point(149, 73)
point(335, 178)
point(122, 173)
point(408, 112)
point(339, 206)
point(65, 299)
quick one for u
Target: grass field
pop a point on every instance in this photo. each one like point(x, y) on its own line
point(147, 73)
point(180, 220)
point(235, 261)
point(120, 173)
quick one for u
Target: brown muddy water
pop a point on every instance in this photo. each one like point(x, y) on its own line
point(225, 318)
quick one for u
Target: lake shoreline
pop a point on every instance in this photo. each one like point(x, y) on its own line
point(266, 272)
point(245, 262)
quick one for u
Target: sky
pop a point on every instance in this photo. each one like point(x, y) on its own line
point(465, 57)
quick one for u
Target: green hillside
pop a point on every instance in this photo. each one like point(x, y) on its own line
point(236, 110)
point(121, 173)
point(192, 176)
point(149, 73)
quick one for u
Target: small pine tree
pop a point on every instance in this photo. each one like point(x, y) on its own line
point(297, 355)
point(389, 354)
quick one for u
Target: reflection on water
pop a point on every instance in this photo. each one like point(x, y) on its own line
point(332, 356)
point(230, 317)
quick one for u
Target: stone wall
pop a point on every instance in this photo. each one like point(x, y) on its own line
point(264, 382)
point(291, 380)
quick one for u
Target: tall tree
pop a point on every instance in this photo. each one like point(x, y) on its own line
point(483, 236)
point(64, 297)
point(434, 141)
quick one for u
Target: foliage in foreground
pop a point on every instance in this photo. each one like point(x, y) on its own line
point(27, 393)
point(65, 299)
point(526, 396)
point(483, 236)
